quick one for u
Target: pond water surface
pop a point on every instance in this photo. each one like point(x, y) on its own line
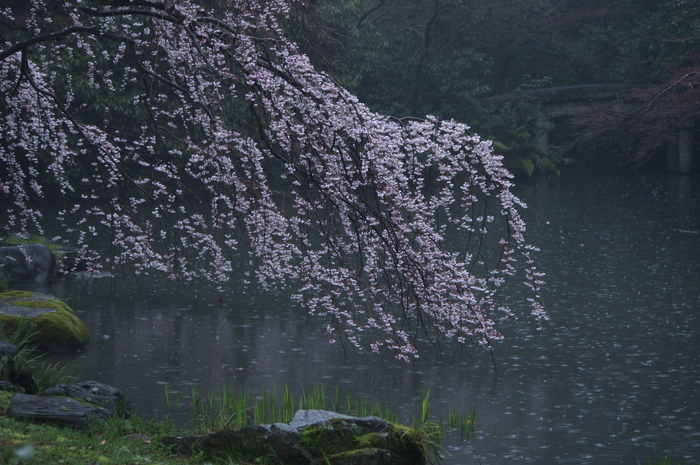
point(615, 373)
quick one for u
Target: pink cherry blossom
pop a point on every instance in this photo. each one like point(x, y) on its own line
point(178, 135)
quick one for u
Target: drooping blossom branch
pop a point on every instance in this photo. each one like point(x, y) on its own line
point(178, 133)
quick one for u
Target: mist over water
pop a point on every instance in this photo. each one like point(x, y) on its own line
point(616, 372)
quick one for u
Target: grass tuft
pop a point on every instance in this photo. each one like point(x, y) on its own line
point(27, 369)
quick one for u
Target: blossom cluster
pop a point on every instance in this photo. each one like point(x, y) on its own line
point(176, 135)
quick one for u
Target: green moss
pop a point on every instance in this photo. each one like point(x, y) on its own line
point(10, 295)
point(327, 439)
point(374, 440)
point(5, 398)
point(122, 407)
point(82, 401)
point(397, 441)
point(366, 455)
point(338, 438)
point(113, 441)
point(33, 239)
point(59, 328)
point(49, 304)
point(5, 278)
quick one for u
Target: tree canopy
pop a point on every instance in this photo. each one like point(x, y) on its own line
point(669, 98)
point(442, 56)
point(177, 132)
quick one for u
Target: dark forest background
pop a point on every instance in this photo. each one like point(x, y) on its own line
point(443, 57)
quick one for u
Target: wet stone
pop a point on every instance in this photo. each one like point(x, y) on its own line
point(61, 410)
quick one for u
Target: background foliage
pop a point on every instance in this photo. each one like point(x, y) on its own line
point(441, 56)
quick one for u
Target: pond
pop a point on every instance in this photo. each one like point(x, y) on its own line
point(615, 373)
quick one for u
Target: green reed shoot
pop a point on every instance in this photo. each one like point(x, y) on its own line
point(336, 399)
point(287, 405)
point(465, 424)
point(235, 409)
point(167, 396)
point(425, 407)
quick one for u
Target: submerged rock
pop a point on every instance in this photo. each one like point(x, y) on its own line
point(55, 324)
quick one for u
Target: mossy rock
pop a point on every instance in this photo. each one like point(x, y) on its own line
point(366, 456)
point(361, 440)
point(250, 443)
point(55, 324)
point(313, 437)
point(94, 393)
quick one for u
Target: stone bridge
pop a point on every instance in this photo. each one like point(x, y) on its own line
point(568, 101)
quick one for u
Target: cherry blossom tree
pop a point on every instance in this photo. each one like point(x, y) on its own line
point(178, 133)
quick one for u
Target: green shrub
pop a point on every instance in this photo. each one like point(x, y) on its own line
point(4, 278)
point(24, 369)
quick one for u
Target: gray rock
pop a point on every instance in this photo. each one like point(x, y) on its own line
point(8, 349)
point(62, 410)
point(304, 418)
point(8, 386)
point(99, 394)
point(251, 442)
point(34, 262)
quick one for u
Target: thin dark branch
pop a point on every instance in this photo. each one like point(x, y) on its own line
point(658, 96)
point(372, 10)
point(52, 37)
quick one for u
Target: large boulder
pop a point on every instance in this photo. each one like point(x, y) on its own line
point(55, 324)
point(29, 262)
point(313, 437)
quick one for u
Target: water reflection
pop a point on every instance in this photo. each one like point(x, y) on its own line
point(616, 372)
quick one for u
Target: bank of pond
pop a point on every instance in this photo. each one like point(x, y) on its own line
point(311, 437)
point(47, 417)
point(88, 423)
point(53, 427)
